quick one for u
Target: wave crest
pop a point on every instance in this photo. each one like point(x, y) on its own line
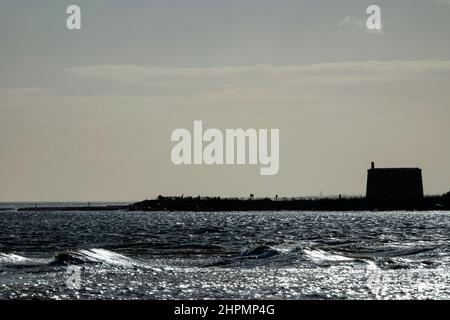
point(11, 259)
point(323, 256)
point(77, 257)
point(95, 256)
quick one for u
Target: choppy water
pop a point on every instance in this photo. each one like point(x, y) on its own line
point(279, 255)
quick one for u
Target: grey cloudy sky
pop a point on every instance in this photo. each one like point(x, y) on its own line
point(87, 115)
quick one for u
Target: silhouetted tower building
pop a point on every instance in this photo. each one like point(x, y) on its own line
point(394, 183)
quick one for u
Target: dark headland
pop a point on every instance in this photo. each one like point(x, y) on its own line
point(267, 204)
point(387, 189)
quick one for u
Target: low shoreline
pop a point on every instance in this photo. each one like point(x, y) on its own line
point(429, 203)
point(211, 204)
point(75, 208)
point(437, 203)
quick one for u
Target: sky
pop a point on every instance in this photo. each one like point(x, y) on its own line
point(87, 115)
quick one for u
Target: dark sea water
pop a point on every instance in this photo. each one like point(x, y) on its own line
point(258, 255)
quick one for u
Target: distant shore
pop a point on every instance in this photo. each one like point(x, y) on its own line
point(93, 207)
point(427, 203)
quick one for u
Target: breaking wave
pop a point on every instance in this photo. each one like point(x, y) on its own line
point(291, 255)
point(75, 257)
point(318, 255)
point(15, 260)
point(96, 256)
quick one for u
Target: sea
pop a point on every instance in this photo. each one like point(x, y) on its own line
point(223, 255)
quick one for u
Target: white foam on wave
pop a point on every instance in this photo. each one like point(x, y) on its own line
point(15, 259)
point(320, 255)
point(286, 248)
point(107, 257)
point(110, 258)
